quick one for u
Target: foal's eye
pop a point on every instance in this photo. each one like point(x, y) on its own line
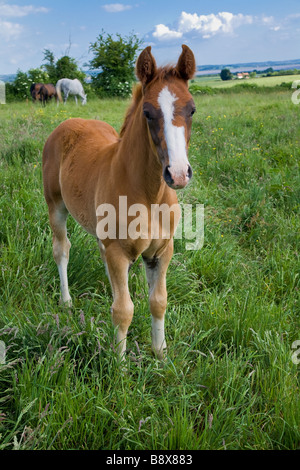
point(193, 111)
point(148, 115)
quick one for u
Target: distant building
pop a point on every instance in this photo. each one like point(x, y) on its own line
point(241, 75)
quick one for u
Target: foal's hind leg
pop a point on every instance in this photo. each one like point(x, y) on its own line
point(156, 270)
point(61, 246)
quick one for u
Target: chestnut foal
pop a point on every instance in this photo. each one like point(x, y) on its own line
point(87, 164)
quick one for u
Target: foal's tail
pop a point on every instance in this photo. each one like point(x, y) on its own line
point(58, 91)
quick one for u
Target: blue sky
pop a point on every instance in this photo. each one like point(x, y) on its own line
point(218, 31)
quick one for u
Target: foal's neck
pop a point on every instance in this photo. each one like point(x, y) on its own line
point(143, 168)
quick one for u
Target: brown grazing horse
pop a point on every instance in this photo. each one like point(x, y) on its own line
point(88, 166)
point(42, 92)
point(46, 92)
point(34, 90)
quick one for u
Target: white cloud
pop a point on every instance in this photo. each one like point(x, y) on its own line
point(9, 31)
point(279, 24)
point(116, 7)
point(17, 11)
point(267, 19)
point(293, 16)
point(162, 33)
point(206, 25)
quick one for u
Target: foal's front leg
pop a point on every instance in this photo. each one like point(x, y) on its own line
point(122, 308)
point(156, 270)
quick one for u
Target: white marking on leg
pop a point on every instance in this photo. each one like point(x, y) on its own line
point(62, 270)
point(158, 336)
point(175, 136)
point(121, 343)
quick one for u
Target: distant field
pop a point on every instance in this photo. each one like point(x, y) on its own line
point(215, 81)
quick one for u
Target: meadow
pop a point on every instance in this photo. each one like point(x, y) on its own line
point(231, 378)
point(261, 81)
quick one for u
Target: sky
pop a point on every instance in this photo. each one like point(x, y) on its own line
point(218, 32)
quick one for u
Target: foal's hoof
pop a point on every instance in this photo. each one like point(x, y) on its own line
point(66, 303)
point(160, 354)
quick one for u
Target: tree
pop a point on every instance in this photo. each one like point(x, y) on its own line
point(269, 70)
point(65, 67)
point(114, 59)
point(50, 65)
point(226, 74)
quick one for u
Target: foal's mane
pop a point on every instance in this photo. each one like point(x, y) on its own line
point(162, 73)
point(137, 95)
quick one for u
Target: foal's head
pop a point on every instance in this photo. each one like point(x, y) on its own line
point(168, 108)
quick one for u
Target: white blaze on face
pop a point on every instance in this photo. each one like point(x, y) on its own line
point(175, 136)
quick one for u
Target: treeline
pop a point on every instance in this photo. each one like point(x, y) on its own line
point(112, 64)
point(226, 74)
point(277, 73)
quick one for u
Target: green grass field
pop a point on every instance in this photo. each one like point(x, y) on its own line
point(229, 381)
point(215, 81)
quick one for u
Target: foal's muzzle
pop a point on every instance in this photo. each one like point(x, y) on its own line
point(175, 179)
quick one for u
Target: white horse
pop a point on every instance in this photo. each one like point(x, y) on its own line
point(70, 87)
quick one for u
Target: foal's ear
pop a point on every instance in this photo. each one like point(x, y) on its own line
point(186, 65)
point(146, 66)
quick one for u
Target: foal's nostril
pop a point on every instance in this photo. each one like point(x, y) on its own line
point(189, 172)
point(167, 176)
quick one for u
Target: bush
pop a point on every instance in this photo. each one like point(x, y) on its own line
point(19, 89)
point(201, 90)
point(247, 86)
point(114, 60)
point(111, 86)
point(286, 85)
point(10, 92)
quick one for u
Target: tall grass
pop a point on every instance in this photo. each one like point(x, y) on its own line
point(233, 311)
